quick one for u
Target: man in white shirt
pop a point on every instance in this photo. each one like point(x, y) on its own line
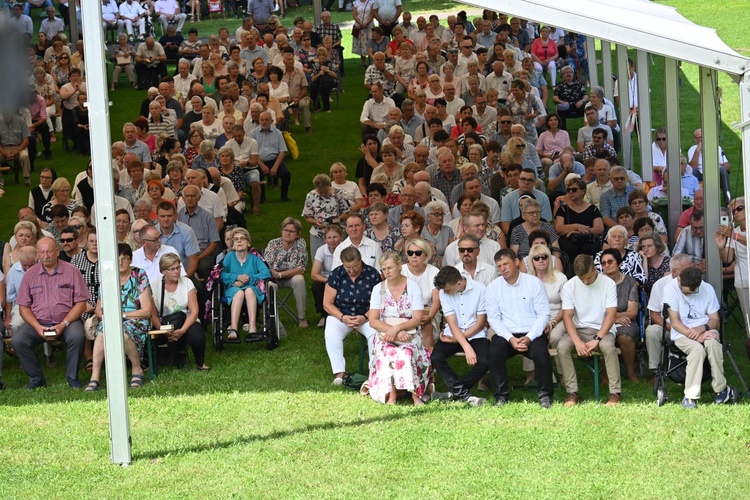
point(470, 266)
point(169, 13)
point(375, 110)
point(111, 16)
point(132, 14)
point(518, 311)
point(463, 303)
point(20, 21)
point(655, 330)
point(695, 159)
point(147, 257)
point(589, 307)
point(368, 249)
point(476, 226)
point(485, 116)
point(694, 317)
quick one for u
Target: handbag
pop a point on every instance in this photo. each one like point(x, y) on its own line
point(291, 145)
point(176, 319)
point(392, 321)
point(124, 60)
point(355, 31)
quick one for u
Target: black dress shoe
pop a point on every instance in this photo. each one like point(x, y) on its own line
point(74, 383)
point(36, 385)
point(285, 198)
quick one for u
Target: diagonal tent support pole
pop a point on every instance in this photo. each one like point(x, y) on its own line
point(101, 157)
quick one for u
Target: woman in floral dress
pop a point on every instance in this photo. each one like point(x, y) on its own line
point(363, 20)
point(400, 361)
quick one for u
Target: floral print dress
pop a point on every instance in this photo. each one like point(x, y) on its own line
point(405, 367)
point(130, 294)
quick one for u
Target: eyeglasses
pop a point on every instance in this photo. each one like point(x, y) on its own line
point(572, 190)
point(525, 179)
point(155, 240)
point(533, 212)
point(67, 240)
point(537, 258)
point(467, 249)
point(661, 139)
point(738, 209)
point(173, 269)
point(289, 231)
point(354, 268)
point(608, 262)
point(441, 214)
point(411, 253)
point(305, 39)
point(618, 178)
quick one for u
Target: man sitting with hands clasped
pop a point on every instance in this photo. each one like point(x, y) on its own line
point(463, 302)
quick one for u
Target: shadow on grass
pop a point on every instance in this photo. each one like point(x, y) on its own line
point(242, 440)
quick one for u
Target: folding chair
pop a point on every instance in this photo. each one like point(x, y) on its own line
point(283, 302)
point(216, 6)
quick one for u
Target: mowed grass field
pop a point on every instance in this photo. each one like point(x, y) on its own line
point(270, 425)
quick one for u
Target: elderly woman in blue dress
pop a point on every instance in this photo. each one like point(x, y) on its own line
point(401, 362)
point(243, 276)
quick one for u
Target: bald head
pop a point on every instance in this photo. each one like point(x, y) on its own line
point(422, 176)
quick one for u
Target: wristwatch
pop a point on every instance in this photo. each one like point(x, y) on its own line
point(597, 338)
point(66, 323)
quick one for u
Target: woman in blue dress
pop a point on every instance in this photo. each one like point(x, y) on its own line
point(243, 276)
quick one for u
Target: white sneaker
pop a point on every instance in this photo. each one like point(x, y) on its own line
point(475, 401)
point(322, 323)
point(338, 381)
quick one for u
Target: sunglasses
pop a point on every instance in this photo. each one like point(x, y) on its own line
point(506, 122)
point(411, 253)
point(608, 262)
point(467, 250)
point(67, 240)
point(738, 209)
point(572, 190)
point(661, 139)
point(77, 226)
point(537, 258)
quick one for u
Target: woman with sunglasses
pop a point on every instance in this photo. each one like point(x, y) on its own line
point(541, 265)
point(578, 223)
point(733, 245)
point(419, 270)
point(627, 308)
point(412, 223)
point(540, 237)
point(631, 261)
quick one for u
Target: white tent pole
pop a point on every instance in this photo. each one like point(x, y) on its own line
point(711, 186)
point(593, 68)
point(644, 114)
point(745, 136)
point(623, 89)
point(672, 113)
point(607, 70)
point(101, 156)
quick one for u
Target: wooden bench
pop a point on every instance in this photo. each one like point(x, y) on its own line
point(150, 337)
point(593, 366)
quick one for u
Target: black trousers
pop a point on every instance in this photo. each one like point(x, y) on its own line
point(318, 290)
point(460, 386)
point(322, 88)
point(194, 337)
point(501, 351)
point(282, 173)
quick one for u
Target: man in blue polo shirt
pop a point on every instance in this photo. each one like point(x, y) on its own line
point(178, 235)
point(271, 152)
point(203, 225)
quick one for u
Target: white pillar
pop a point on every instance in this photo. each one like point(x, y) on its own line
point(101, 156)
point(607, 70)
point(745, 136)
point(623, 90)
point(672, 113)
point(644, 115)
point(593, 68)
point(711, 187)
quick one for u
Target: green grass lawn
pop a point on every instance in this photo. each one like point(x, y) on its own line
point(269, 424)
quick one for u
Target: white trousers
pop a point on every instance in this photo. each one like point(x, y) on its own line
point(335, 333)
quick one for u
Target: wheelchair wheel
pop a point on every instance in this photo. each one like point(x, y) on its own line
point(270, 320)
point(217, 318)
point(661, 396)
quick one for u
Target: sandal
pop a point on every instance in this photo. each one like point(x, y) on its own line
point(89, 365)
point(136, 381)
point(203, 368)
point(232, 334)
point(93, 386)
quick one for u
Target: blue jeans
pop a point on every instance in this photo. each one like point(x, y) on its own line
point(27, 6)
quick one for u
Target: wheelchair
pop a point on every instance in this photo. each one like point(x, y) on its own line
point(268, 316)
point(673, 364)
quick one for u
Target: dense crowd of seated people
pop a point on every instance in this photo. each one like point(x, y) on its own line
point(475, 224)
